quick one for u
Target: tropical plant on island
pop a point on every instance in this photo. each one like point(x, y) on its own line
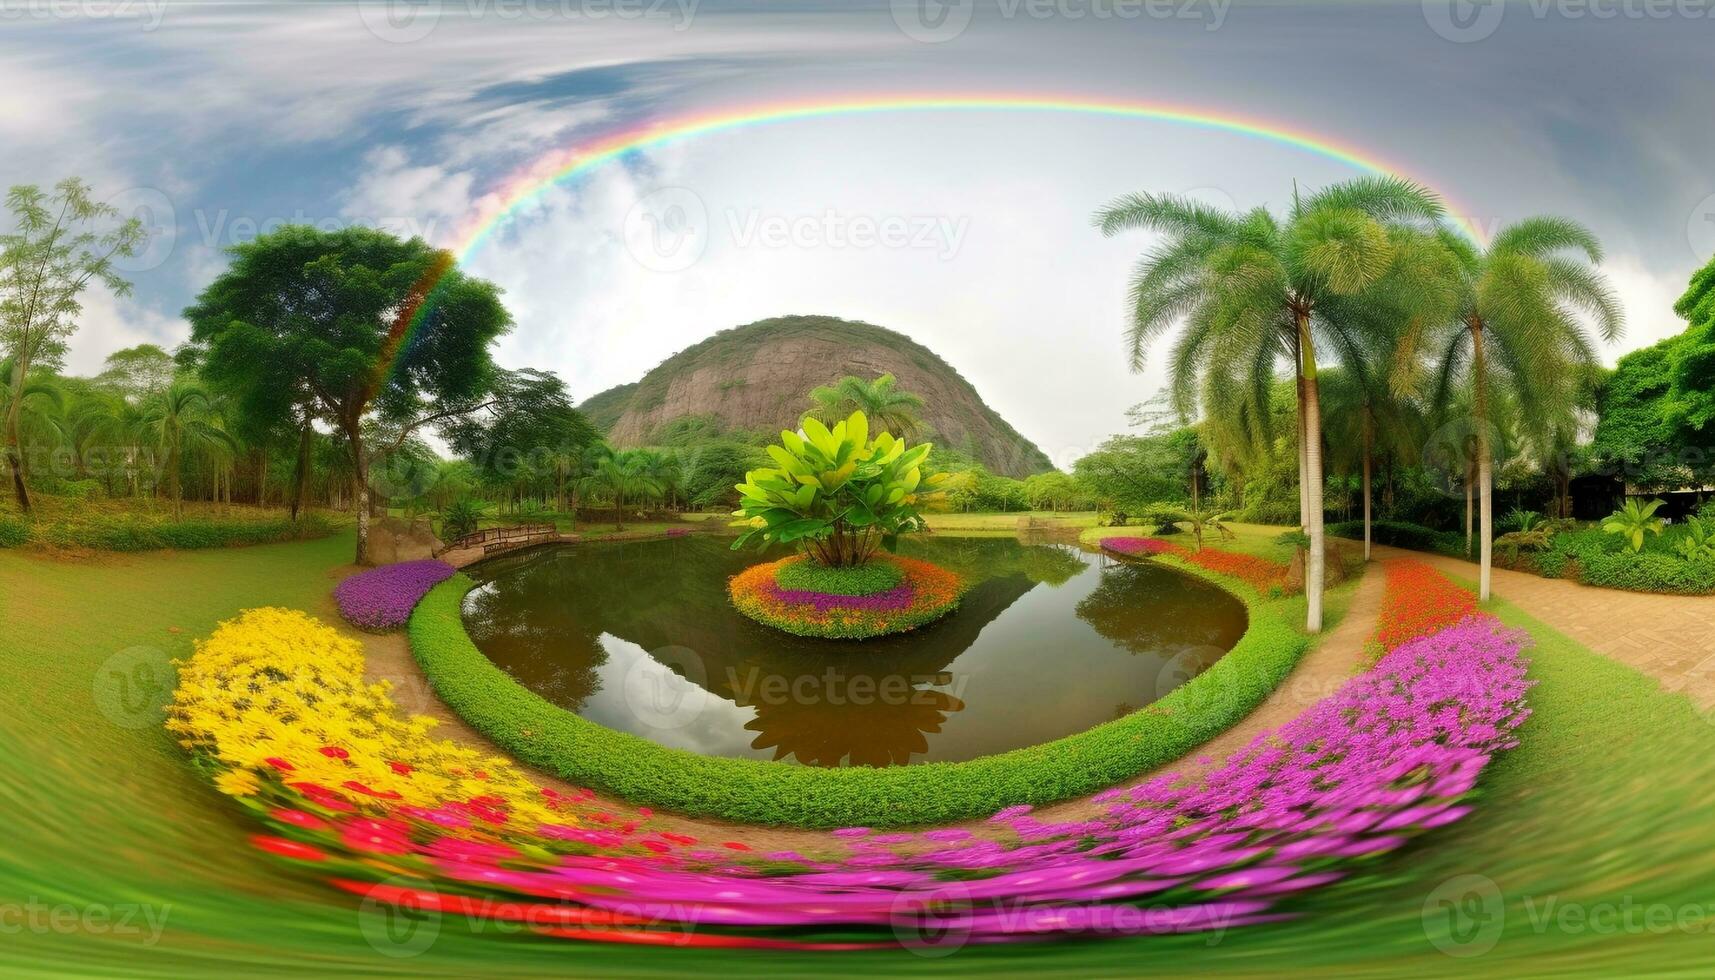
point(837, 493)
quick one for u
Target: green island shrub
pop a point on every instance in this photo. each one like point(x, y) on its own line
point(642, 772)
point(858, 580)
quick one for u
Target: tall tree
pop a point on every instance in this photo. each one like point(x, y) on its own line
point(619, 475)
point(1518, 328)
point(179, 420)
point(888, 407)
point(60, 243)
point(367, 326)
point(531, 432)
point(1251, 289)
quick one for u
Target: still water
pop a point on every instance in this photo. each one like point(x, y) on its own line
point(1050, 640)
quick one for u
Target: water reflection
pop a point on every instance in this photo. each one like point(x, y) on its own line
point(639, 636)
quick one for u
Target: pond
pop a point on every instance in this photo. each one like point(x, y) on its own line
point(1049, 640)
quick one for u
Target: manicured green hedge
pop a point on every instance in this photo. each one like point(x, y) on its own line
point(1648, 571)
point(131, 532)
point(752, 791)
point(1403, 534)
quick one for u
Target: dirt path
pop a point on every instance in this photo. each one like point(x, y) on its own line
point(1328, 664)
point(1668, 637)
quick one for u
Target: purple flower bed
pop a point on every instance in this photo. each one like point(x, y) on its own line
point(1393, 754)
point(381, 599)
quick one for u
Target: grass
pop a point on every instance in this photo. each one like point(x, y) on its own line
point(1603, 807)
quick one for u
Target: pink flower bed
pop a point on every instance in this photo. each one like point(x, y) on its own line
point(1393, 754)
point(381, 599)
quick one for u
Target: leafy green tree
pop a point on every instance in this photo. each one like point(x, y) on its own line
point(178, 420)
point(1517, 328)
point(138, 372)
point(1252, 289)
point(714, 470)
point(1654, 410)
point(60, 243)
point(620, 474)
point(532, 432)
point(354, 325)
point(882, 401)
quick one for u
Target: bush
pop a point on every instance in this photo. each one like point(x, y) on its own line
point(459, 519)
point(13, 531)
point(1649, 571)
point(1404, 534)
point(135, 532)
point(752, 791)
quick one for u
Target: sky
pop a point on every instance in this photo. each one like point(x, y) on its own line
point(968, 230)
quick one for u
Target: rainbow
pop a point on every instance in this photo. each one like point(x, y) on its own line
point(523, 188)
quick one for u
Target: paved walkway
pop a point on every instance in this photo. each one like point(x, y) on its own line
point(1668, 637)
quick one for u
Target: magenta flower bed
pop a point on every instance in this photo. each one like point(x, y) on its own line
point(1136, 546)
point(382, 598)
point(1393, 754)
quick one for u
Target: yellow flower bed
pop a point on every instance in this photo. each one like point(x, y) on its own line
point(277, 702)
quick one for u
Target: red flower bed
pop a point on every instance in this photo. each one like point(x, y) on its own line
point(1418, 601)
point(1259, 573)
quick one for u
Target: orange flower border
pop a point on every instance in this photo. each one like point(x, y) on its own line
point(1265, 576)
point(1417, 600)
point(934, 592)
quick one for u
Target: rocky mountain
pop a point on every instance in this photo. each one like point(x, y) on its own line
point(757, 378)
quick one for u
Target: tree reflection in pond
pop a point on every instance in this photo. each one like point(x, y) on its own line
point(640, 636)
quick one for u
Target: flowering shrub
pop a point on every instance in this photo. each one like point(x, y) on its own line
point(274, 705)
point(381, 599)
point(1267, 577)
point(924, 593)
point(1418, 600)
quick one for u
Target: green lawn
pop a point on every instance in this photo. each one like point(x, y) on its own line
point(1603, 812)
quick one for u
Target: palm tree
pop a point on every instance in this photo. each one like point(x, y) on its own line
point(621, 474)
point(179, 419)
point(1252, 290)
point(36, 405)
point(888, 408)
point(1517, 329)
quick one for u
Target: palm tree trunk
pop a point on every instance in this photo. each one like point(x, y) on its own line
point(1485, 469)
point(1369, 438)
point(1470, 485)
point(1314, 574)
point(1303, 457)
